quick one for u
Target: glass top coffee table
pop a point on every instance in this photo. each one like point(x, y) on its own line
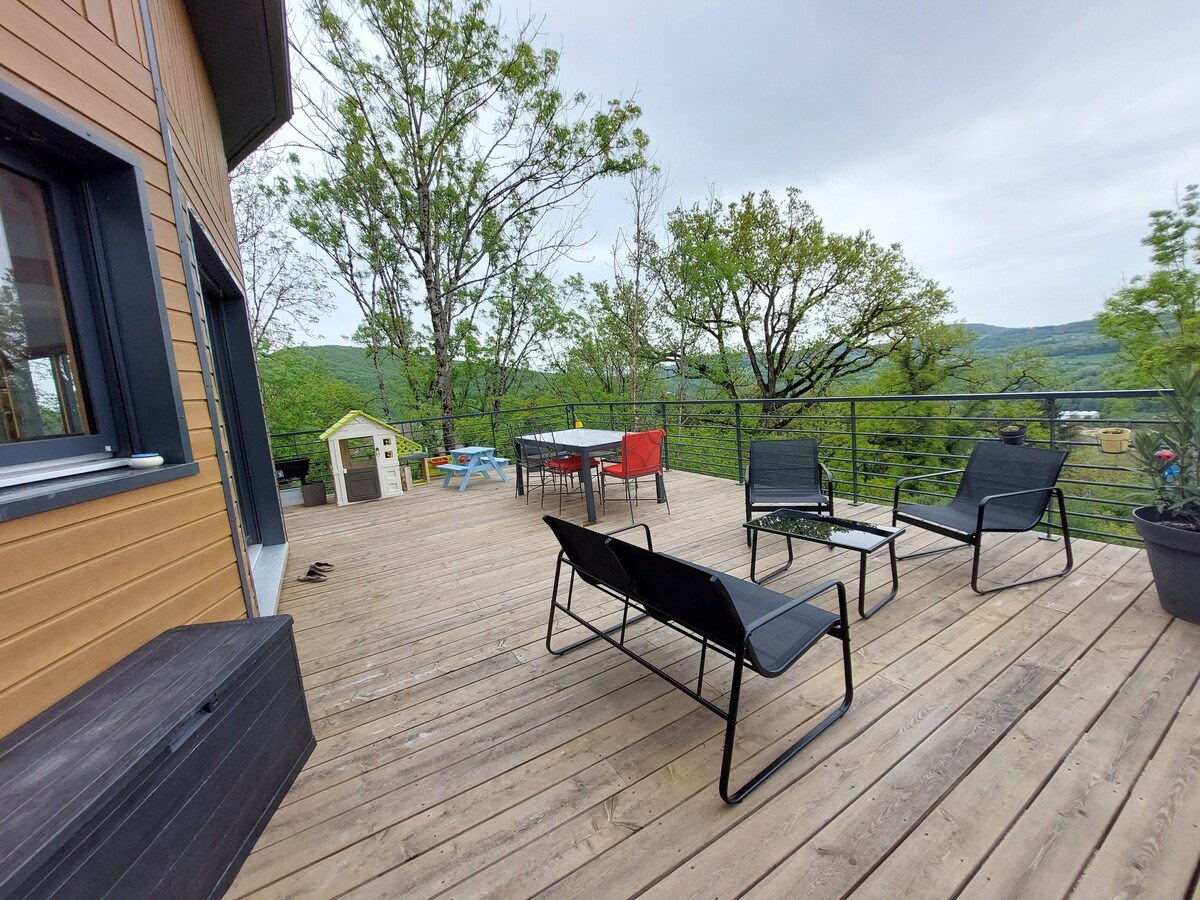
point(844, 534)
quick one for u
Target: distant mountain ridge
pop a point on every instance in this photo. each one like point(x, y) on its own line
point(1073, 346)
point(1077, 349)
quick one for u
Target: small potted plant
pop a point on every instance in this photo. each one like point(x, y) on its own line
point(1012, 434)
point(1171, 526)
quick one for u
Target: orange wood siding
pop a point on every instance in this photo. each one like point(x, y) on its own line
point(87, 584)
point(195, 129)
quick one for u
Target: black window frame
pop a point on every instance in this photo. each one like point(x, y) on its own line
point(67, 215)
point(109, 265)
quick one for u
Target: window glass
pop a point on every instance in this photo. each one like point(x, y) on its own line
point(41, 394)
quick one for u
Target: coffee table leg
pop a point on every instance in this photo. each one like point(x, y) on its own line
point(862, 583)
point(754, 559)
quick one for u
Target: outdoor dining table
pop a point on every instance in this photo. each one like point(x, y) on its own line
point(585, 442)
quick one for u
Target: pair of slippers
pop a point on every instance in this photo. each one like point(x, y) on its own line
point(318, 571)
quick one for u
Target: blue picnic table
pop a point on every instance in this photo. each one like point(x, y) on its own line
point(478, 459)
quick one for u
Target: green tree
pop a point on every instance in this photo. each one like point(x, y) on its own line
point(1156, 317)
point(334, 211)
point(786, 307)
point(299, 394)
point(285, 288)
point(456, 134)
point(520, 323)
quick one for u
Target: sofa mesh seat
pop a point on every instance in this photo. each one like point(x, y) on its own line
point(1004, 488)
point(771, 651)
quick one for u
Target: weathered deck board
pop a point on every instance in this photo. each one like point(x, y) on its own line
point(1030, 743)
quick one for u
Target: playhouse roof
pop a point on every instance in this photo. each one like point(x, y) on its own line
point(354, 414)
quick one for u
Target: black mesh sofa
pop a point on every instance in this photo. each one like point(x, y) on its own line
point(755, 627)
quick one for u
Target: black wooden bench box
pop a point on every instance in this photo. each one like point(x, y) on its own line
point(155, 778)
point(755, 627)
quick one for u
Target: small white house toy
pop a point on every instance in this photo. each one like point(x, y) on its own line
point(368, 458)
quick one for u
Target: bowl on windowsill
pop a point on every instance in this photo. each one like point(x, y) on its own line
point(145, 461)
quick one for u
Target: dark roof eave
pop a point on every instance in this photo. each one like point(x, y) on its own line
point(244, 47)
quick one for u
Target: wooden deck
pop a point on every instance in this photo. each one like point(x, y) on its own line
point(1039, 742)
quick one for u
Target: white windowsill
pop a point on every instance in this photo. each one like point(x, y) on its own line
point(59, 468)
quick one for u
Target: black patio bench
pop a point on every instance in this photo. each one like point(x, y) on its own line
point(753, 626)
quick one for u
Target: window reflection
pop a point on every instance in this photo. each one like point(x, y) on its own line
point(40, 393)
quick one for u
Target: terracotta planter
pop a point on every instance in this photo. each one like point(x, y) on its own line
point(1174, 555)
point(1114, 440)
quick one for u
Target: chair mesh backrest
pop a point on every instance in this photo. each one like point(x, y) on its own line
point(641, 452)
point(589, 553)
point(785, 464)
point(996, 468)
point(682, 594)
point(533, 454)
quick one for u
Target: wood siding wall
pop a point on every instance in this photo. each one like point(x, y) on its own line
point(85, 585)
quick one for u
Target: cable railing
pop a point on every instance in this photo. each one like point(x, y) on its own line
point(866, 441)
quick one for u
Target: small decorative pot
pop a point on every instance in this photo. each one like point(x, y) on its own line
point(1174, 555)
point(1114, 440)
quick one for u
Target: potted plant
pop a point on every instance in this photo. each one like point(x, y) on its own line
point(1012, 434)
point(1171, 527)
point(1114, 440)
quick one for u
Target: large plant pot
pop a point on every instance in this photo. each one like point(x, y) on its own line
point(1114, 440)
point(1174, 555)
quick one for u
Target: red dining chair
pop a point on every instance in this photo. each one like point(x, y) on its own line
point(641, 455)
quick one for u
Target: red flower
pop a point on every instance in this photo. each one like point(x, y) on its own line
point(1165, 455)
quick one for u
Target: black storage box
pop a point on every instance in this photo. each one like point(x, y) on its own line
point(155, 778)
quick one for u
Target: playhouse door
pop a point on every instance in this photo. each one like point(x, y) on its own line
point(362, 483)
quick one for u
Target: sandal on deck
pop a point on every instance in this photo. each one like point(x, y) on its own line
point(312, 575)
point(322, 566)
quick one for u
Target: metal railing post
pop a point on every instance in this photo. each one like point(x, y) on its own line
point(493, 417)
point(571, 420)
point(666, 444)
point(612, 418)
point(1052, 415)
point(737, 438)
point(853, 453)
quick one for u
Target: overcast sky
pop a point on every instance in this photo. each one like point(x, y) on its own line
point(1013, 148)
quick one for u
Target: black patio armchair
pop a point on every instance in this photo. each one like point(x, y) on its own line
point(787, 474)
point(1004, 488)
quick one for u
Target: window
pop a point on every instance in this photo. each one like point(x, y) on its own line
point(87, 373)
point(44, 378)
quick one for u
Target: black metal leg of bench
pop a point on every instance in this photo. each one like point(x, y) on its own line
point(554, 604)
point(754, 559)
point(862, 584)
point(843, 632)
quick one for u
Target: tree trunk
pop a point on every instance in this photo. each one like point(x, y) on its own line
point(441, 351)
point(387, 409)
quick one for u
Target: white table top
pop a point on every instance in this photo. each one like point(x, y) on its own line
point(578, 438)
